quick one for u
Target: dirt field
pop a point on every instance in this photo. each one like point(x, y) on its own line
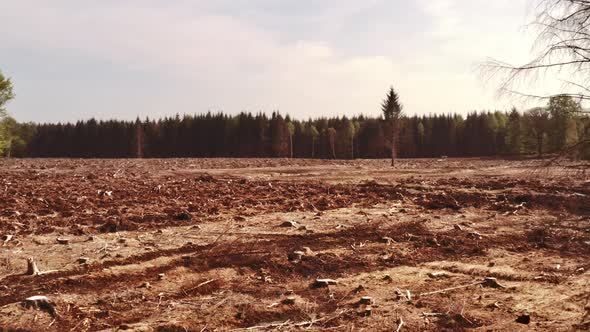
point(229, 244)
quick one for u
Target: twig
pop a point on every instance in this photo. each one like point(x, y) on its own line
point(76, 326)
point(566, 150)
point(205, 282)
point(401, 323)
point(197, 286)
point(433, 314)
point(219, 237)
point(242, 253)
point(283, 324)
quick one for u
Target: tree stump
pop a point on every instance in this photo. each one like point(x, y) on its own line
point(32, 269)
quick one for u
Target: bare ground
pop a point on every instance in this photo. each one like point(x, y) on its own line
point(197, 245)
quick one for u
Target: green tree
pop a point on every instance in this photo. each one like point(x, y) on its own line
point(421, 135)
point(538, 124)
point(514, 133)
point(392, 111)
point(351, 132)
point(9, 135)
point(291, 131)
point(17, 136)
point(562, 48)
point(6, 94)
point(313, 132)
point(561, 109)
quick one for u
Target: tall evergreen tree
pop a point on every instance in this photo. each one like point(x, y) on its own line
point(392, 111)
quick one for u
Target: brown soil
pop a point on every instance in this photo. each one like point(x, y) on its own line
point(198, 245)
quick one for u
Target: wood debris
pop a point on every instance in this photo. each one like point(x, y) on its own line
point(62, 240)
point(6, 238)
point(438, 275)
point(40, 302)
point(321, 283)
point(289, 223)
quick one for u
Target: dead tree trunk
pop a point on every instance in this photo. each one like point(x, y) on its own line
point(9, 149)
point(139, 138)
point(291, 145)
point(333, 149)
point(393, 134)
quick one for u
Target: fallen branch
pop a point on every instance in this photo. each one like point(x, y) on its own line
point(225, 231)
point(258, 252)
point(433, 314)
point(452, 288)
point(205, 282)
point(298, 324)
point(486, 282)
point(185, 291)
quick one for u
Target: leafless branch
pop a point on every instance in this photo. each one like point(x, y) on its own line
point(563, 44)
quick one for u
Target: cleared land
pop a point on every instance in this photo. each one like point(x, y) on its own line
point(203, 245)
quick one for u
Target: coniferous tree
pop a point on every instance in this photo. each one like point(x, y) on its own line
point(392, 111)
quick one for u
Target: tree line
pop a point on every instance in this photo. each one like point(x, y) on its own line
point(536, 131)
point(559, 126)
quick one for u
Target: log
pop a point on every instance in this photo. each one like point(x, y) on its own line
point(320, 283)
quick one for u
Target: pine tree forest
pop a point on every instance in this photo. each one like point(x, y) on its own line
point(535, 132)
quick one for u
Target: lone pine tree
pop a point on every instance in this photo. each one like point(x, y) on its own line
point(392, 111)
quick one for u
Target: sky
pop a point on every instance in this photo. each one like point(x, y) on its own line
point(73, 59)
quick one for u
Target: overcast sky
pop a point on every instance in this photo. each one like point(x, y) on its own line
point(75, 59)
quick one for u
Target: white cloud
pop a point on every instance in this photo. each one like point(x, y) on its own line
point(444, 14)
point(232, 63)
point(225, 55)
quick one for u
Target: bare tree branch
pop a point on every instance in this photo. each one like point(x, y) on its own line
point(563, 46)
